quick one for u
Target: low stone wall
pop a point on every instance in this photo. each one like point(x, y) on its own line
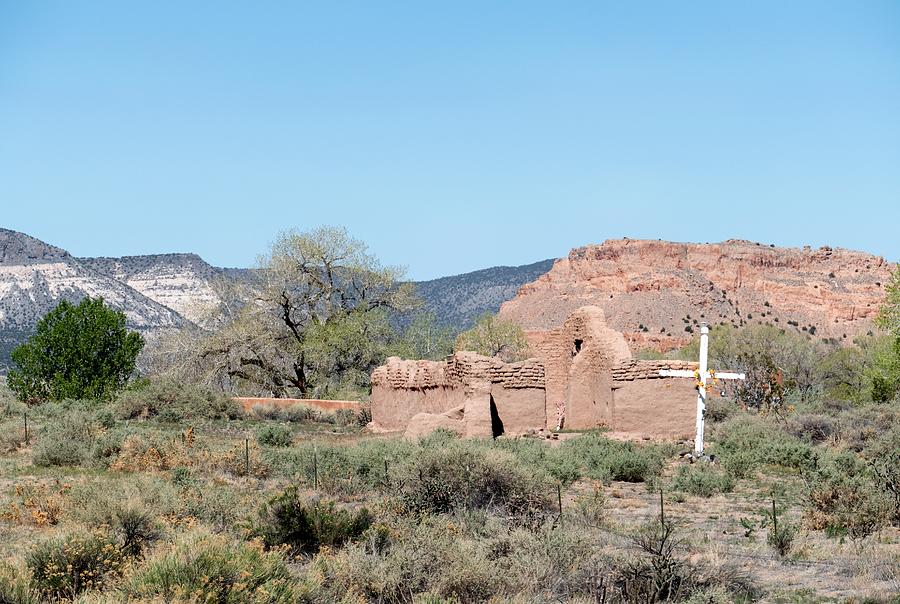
point(650, 405)
point(249, 402)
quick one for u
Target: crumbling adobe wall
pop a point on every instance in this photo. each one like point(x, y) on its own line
point(578, 359)
point(457, 394)
point(401, 389)
point(650, 405)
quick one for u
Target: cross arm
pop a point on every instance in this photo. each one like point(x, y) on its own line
point(725, 375)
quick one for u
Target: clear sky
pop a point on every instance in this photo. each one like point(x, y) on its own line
point(451, 136)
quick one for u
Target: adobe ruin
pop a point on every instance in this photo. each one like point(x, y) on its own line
point(582, 375)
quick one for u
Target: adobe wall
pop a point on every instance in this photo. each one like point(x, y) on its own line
point(411, 395)
point(401, 389)
point(647, 404)
point(578, 359)
point(583, 364)
point(248, 403)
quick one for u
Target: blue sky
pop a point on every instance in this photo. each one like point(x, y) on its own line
point(450, 136)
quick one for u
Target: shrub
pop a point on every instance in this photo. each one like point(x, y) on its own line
point(135, 530)
point(212, 568)
point(457, 478)
point(399, 563)
point(884, 459)
point(9, 405)
point(81, 351)
point(67, 441)
point(342, 469)
point(591, 507)
point(36, 503)
point(63, 568)
point(14, 588)
point(860, 427)
point(720, 409)
point(151, 452)
point(244, 459)
point(703, 480)
point(781, 536)
point(305, 526)
point(106, 418)
point(814, 428)
point(842, 497)
point(605, 459)
point(172, 401)
point(108, 445)
point(275, 435)
point(346, 417)
point(535, 453)
point(757, 441)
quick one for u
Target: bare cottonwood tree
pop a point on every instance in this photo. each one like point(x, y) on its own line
point(319, 322)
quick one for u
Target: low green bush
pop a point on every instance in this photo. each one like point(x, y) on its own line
point(843, 497)
point(703, 480)
point(135, 529)
point(781, 536)
point(65, 440)
point(171, 401)
point(606, 459)
point(201, 567)
point(346, 417)
point(720, 409)
point(478, 557)
point(307, 525)
point(465, 478)
point(746, 443)
point(884, 459)
point(274, 435)
point(64, 568)
point(535, 453)
point(14, 587)
point(342, 469)
point(813, 427)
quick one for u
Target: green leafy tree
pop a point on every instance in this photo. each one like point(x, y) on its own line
point(775, 359)
point(82, 351)
point(886, 371)
point(494, 337)
point(889, 313)
point(424, 338)
point(318, 323)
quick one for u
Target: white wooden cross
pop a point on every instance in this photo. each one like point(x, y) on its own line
point(703, 375)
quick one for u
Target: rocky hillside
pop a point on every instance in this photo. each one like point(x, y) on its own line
point(35, 276)
point(657, 292)
point(184, 283)
point(458, 300)
point(164, 291)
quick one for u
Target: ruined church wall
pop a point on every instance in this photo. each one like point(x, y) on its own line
point(650, 405)
point(464, 382)
point(578, 358)
point(520, 409)
point(392, 408)
point(401, 389)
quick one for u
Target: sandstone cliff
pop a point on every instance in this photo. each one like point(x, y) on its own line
point(657, 292)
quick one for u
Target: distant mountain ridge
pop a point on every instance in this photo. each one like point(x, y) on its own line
point(169, 291)
point(457, 301)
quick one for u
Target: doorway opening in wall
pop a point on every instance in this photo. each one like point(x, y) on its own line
point(577, 348)
point(496, 422)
